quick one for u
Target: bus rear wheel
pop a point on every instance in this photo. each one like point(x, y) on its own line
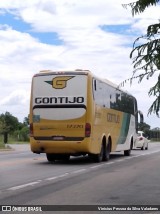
point(98, 157)
point(107, 150)
point(54, 157)
point(50, 157)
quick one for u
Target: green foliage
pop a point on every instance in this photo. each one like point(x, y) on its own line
point(26, 121)
point(10, 126)
point(155, 91)
point(155, 135)
point(2, 146)
point(22, 134)
point(140, 6)
point(148, 59)
point(8, 123)
point(143, 127)
point(146, 55)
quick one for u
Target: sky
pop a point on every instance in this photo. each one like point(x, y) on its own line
point(95, 35)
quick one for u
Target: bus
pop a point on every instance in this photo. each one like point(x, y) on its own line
point(74, 113)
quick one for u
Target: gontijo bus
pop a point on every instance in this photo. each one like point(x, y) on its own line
point(75, 113)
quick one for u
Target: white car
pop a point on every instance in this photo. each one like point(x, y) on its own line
point(141, 141)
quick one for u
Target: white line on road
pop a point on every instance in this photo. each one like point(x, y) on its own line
point(63, 175)
point(52, 178)
point(25, 185)
point(56, 177)
point(96, 166)
point(79, 171)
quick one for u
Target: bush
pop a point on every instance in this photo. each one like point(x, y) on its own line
point(1, 144)
point(22, 135)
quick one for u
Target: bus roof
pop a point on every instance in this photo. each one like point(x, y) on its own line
point(50, 72)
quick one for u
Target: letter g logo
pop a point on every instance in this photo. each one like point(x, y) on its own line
point(60, 82)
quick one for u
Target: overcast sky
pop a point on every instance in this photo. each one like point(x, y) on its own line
point(96, 35)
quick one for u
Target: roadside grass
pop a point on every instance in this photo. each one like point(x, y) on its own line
point(11, 140)
point(155, 140)
point(17, 142)
point(2, 146)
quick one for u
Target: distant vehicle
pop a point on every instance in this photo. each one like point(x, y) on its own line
point(141, 141)
point(75, 113)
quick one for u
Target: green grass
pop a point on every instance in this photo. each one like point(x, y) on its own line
point(154, 140)
point(6, 146)
point(17, 142)
point(2, 146)
point(11, 140)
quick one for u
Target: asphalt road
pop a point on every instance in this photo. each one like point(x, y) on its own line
point(28, 179)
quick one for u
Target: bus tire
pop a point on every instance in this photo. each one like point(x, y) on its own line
point(50, 157)
point(98, 157)
point(107, 150)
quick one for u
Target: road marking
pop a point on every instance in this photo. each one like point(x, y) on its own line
point(52, 178)
point(25, 185)
point(63, 175)
point(79, 171)
point(120, 160)
point(110, 162)
point(96, 166)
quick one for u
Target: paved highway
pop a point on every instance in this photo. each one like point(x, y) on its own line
point(28, 179)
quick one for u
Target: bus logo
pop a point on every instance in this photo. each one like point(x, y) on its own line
point(59, 82)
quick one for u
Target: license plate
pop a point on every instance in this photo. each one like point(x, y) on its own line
point(58, 138)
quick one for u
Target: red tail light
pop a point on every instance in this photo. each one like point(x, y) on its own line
point(87, 130)
point(31, 130)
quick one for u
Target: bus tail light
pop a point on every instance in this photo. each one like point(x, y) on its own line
point(31, 130)
point(87, 130)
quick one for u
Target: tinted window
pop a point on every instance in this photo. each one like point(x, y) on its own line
point(110, 97)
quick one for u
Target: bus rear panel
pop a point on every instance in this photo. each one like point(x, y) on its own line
point(58, 113)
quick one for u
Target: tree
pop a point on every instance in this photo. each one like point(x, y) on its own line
point(143, 127)
point(8, 124)
point(146, 55)
point(26, 121)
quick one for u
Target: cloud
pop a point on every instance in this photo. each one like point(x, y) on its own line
point(84, 44)
point(16, 98)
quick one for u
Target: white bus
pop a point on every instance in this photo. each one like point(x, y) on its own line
point(75, 113)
